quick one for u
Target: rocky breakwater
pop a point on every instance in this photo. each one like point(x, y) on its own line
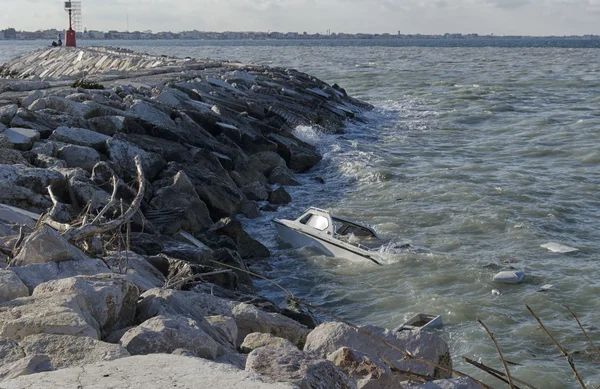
point(122, 263)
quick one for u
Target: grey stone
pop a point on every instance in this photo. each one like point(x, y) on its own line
point(10, 351)
point(47, 245)
point(80, 137)
point(257, 339)
point(7, 113)
point(11, 286)
point(31, 97)
point(137, 268)
point(68, 350)
point(156, 371)
point(280, 196)
point(21, 138)
point(224, 325)
point(123, 154)
point(256, 191)
point(79, 156)
point(25, 366)
point(282, 176)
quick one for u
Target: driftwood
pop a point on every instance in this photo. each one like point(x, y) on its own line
point(97, 226)
point(497, 373)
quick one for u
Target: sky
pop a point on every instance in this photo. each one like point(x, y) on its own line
point(498, 17)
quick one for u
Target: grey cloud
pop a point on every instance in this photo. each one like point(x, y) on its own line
point(509, 3)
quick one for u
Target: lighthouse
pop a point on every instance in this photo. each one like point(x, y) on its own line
point(74, 10)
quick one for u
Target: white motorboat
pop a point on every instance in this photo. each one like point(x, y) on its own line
point(331, 235)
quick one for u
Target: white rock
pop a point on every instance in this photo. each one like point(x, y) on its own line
point(164, 334)
point(11, 286)
point(298, 367)
point(33, 275)
point(46, 314)
point(250, 319)
point(329, 337)
point(257, 339)
point(364, 371)
point(47, 245)
point(25, 366)
point(157, 371)
point(10, 351)
point(21, 138)
point(110, 298)
point(225, 326)
point(138, 269)
point(68, 350)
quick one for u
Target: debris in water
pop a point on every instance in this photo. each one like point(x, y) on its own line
point(559, 248)
point(496, 292)
point(509, 277)
point(545, 288)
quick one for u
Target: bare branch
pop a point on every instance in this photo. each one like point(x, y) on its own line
point(562, 350)
point(195, 277)
point(583, 330)
point(510, 383)
point(497, 373)
point(113, 200)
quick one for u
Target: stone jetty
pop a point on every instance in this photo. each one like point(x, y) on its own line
point(122, 260)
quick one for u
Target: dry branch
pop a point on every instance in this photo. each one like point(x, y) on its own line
point(510, 383)
point(583, 330)
point(497, 373)
point(97, 226)
point(561, 348)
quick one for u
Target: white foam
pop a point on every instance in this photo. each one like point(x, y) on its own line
point(308, 134)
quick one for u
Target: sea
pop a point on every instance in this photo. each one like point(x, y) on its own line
point(476, 154)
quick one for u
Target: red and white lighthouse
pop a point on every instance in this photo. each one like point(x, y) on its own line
point(74, 10)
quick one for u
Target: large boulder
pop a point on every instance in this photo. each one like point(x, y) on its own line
point(280, 196)
point(165, 334)
point(47, 245)
point(225, 326)
point(36, 180)
point(123, 153)
point(143, 274)
point(170, 302)
point(366, 373)
point(7, 113)
point(179, 193)
point(11, 286)
point(10, 351)
point(111, 299)
point(79, 156)
point(257, 339)
point(68, 350)
point(247, 246)
point(300, 368)
point(80, 137)
point(36, 274)
point(250, 319)
point(31, 364)
point(21, 138)
point(46, 314)
point(329, 337)
point(156, 371)
point(300, 156)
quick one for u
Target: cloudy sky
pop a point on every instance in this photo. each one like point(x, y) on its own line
point(500, 17)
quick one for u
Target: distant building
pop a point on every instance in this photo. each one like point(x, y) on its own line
point(10, 33)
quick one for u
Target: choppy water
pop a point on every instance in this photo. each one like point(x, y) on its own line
point(473, 155)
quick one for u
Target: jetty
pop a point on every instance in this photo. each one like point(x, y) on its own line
point(123, 260)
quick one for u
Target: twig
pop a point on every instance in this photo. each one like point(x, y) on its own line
point(113, 200)
point(510, 383)
point(497, 373)
point(583, 330)
point(562, 350)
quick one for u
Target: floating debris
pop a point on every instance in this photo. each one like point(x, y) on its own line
point(558, 248)
point(496, 292)
point(545, 288)
point(510, 277)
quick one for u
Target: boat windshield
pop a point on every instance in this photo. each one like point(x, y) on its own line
point(318, 222)
point(344, 228)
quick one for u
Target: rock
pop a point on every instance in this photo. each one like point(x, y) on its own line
point(11, 286)
point(10, 351)
point(60, 104)
point(294, 311)
point(280, 196)
point(282, 176)
point(177, 194)
point(250, 319)
point(329, 337)
point(111, 299)
point(42, 123)
point(46, 314)
point(25, 366)
point(231, 258)
point(249, 209)
point(455, 383)
point(31, 97)
point(21, 138)
point(256, 339)
point(33, 275)
point(7, 113)
point(247, 246)
point(164, 334)
point(84, 191)
point(22, 197)
point(47, 245)
point(156, 371)
point(68, 350)
point(225, 326)
point(79, 156)
point(80, 137)
point(295, 366)
point(36, 180)
point(108, 125)
point(256, 191)
point(300, 156)
point(366, 373)
point(123, 154)
point(168, 302)
point(138, 270)
point(152, 115)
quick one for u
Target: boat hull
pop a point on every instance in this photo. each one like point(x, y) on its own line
point(323, 244)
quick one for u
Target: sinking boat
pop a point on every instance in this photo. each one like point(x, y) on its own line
point(421, 321)
point(331, 235)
